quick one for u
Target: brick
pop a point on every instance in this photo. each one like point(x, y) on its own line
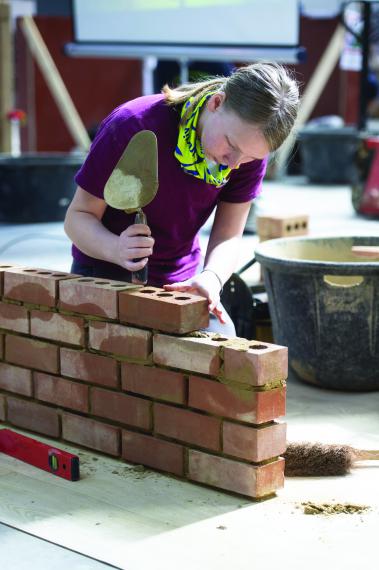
point(31, 285)
point(15, 379)
point(235, 402)
point(122, 408)
point(91, 433)
point(153, 382)
point(2, 408)
point(260, 364)
point(31, 353)
point(61, 392)
point(153, 452)
point(269, 227)
point(60, 328)
point(91, 296)
point(92, 368)
point(121, 340)
point(4, 266)
point(168, 311)
point(36, 417)
point(14, 318)
point(250, 480)
point(199, 355)
point(254, 444)
point(187, 426)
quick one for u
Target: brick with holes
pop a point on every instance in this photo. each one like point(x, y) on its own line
point(252, 480)
point(269, 227)
point(33, 416)
point(14, 317)
point(167, 311)
point(121, 340)
point(16, 379)
point(198, 355)
point(53, 326)
point(34, 286)
point(4, 266)
point(255, 363)
point(92, 296)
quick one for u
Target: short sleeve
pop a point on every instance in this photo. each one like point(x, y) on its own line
point(245, 183)
point(106, 149)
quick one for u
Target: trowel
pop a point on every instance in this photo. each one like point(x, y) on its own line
point(133, 183)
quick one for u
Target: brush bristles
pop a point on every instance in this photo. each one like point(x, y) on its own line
point(317, 459)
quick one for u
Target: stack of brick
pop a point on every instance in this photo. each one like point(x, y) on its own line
point(119, 370)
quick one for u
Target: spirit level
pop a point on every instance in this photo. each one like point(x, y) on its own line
point(40, 454)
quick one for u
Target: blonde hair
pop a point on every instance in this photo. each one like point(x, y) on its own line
point(263, 94)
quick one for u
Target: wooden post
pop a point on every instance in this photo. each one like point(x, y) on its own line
point(312, 93)
point(6, 75)
point(55, 83)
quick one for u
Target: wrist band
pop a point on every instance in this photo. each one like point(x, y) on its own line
point(218, 277)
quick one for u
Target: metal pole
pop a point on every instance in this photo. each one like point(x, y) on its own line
point(364, 70)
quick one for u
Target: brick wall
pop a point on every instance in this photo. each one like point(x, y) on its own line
point(120, 370)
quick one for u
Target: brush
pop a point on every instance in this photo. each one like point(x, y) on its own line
point(306, 459)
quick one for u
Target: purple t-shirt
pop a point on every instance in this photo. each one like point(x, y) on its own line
point(182, 204)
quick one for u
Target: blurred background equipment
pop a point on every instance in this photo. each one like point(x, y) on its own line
point(322, 306)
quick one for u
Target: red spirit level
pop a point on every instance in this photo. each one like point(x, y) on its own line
point(40, 455)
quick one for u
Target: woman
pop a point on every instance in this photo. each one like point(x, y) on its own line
point(214, 138)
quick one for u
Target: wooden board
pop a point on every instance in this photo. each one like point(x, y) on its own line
point(138, 519)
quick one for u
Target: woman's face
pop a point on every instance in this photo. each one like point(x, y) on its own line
point(227, 139)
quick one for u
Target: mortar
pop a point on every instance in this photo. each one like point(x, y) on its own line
point(324, 305)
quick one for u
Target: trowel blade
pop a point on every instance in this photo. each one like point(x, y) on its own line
point(133, 182)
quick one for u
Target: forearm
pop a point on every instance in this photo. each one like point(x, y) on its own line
point(91, 237)
point(222, 256)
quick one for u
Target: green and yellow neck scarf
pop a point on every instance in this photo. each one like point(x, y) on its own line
point(189, 151)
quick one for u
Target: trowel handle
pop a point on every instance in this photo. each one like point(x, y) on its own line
point(140, 277)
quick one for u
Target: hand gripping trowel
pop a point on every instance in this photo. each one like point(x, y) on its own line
point(134, 183)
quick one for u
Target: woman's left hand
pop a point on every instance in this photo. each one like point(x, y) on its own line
point(206, 285)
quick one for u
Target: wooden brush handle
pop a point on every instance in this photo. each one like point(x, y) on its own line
point(365, 250)
point(364, 454)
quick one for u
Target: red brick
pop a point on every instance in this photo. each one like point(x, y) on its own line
point(153, 452)
point(2, 408)
point(91, 296)
point(60, 328)
point(14, 317)
point(61, 392)
point(15, 379)
point(269, 227)
point(262, 363)
point(122, 408)
point(157, 383)
point(4, 266)
point(31, 285)
point(92, 368)
point(91, 433)
point(187, 353)
point(187, 426)
point(168, 311)
point(250, 480)
point(31, 353)
point(29, 415)
point(235, 402)
point(254, 444)
point(121, 340)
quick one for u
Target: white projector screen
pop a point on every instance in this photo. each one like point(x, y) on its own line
point(196, 23)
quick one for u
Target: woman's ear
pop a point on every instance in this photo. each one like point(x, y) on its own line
point(215, 101)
